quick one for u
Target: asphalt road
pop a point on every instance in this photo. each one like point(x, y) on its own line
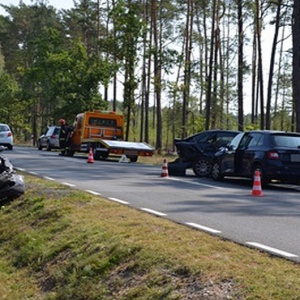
point(227, 209)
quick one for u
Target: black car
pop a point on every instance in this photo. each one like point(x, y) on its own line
point(275, 154)
point(197, 151)
point(50, 139)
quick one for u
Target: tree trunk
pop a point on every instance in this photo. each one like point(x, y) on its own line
point(272, 64)
point(187, 65)
point(296, 61)
point(254, 77)
point(240, 67)
point(210, 71)
point(260, 65)
point(157, 75)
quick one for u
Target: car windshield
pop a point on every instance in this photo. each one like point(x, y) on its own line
point(290, 141)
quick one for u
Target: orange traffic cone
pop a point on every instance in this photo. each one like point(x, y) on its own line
point(256, 190)
point(91, 156)
point(164, 171)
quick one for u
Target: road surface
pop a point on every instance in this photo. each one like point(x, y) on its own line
point(227, 209)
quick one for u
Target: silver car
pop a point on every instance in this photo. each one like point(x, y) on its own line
point(50, 139)
point(6, 136)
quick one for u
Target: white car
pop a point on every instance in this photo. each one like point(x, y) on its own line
point(50, 139)
point(6, 136)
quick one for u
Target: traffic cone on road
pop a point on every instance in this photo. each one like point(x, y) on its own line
point(256, 190)
point(164, 171)
point(91, 156)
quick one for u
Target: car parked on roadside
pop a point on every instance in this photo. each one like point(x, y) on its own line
point(50, 139)
point(6, 136)
point(275, 154)
point(197, 151)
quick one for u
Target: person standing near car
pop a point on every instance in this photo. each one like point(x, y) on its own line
point(65, 136)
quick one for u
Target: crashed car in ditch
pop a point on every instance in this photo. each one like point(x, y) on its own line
point(197, 151)
point(11, 184)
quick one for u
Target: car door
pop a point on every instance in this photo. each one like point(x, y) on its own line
point(227, 155)
point(246, 153)
point(44, 138)
point(239, 154)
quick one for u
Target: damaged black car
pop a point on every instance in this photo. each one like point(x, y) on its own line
point(11, 184)
point(197, 151)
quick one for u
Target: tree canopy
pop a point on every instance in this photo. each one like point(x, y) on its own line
point(172, 67)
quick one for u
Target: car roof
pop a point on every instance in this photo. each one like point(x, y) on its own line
point(272, 132)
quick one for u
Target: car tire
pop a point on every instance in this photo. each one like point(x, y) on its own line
point(216, 172)
point(96, 154)
point(133, 158)
point(48, 148)
point(202, 167)
point(263, 178)
point(40, 145)
point(69, 153)
point(10, 147)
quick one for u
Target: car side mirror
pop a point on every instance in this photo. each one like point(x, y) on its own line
point(230, 147)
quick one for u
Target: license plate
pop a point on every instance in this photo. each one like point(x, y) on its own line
point(295, 157)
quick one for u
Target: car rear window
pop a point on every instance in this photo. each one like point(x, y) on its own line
point(290, 141)
point(56, 130)
point(4, 128)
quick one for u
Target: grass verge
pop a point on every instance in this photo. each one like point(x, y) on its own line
point(60, 243)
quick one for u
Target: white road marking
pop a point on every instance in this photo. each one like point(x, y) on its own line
point(270, 249)
point(68, 184)
point(208, 229)
point(21, 169)
point(119, 201)
point(197, 183)
point(33, 173)
point(94, 193)
point(49, 178)
point(153, 212)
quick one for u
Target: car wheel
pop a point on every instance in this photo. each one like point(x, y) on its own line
point(263, 178)
point(70, 153)
point(133, 158)
point(96, 154)
point(10, 147)
point(48, 148)
point(202, 167)
point(40, 145)
point(216, 172)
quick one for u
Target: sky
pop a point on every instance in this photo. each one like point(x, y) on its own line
point(58, 4)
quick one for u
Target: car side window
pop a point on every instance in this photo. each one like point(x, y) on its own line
point(201, 139)
point(245, 141)
point(256, 140)
point(223, 139)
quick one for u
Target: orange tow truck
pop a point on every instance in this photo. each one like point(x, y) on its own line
point(102, 131)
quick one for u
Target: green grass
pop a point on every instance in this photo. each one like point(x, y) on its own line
point(60, 243)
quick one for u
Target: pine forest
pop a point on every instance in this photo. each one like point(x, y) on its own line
point(171, 67)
